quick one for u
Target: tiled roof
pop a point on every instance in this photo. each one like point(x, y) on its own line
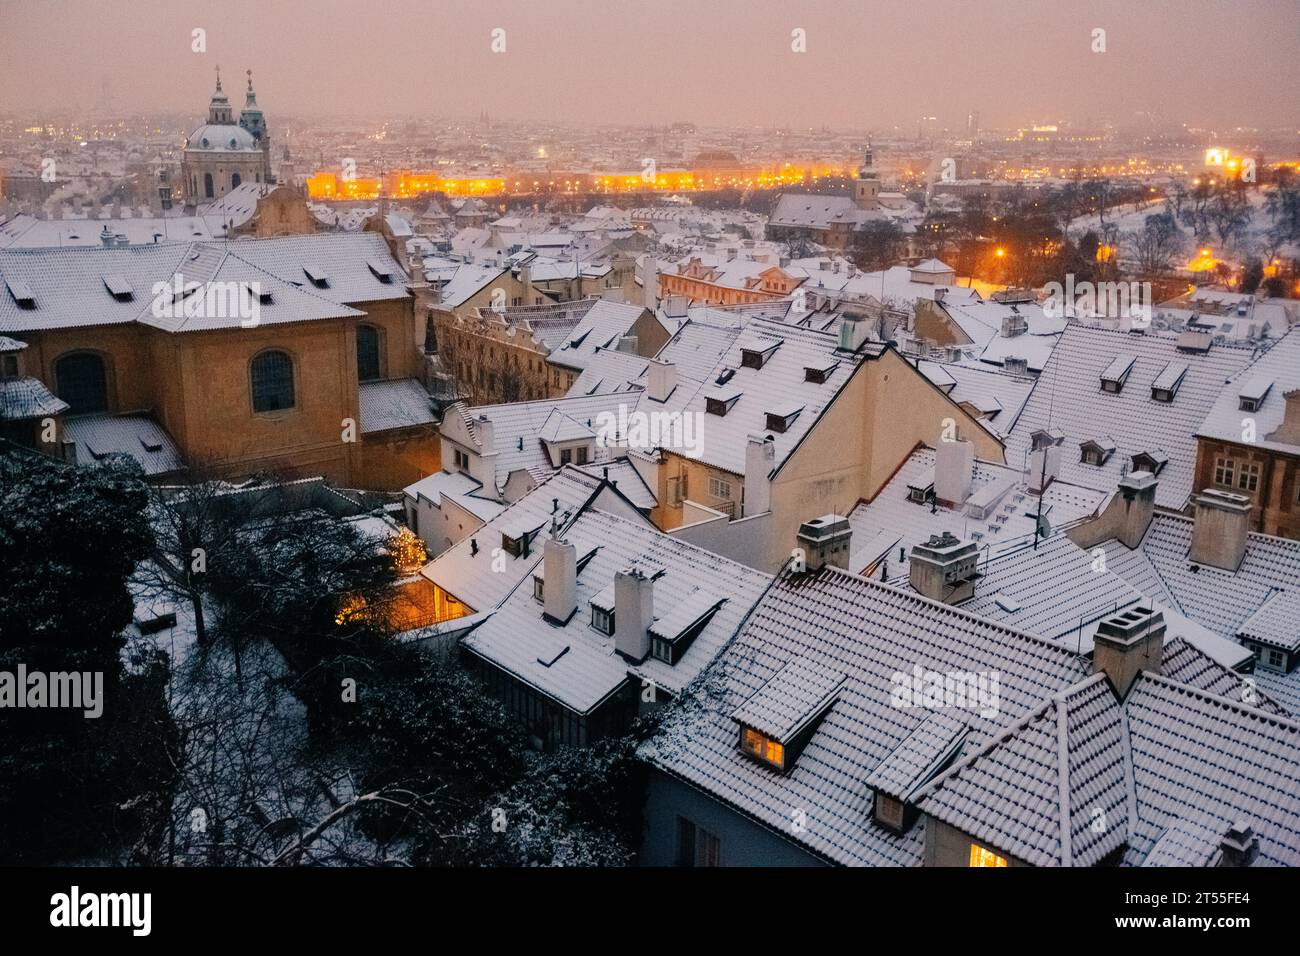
point(1213, 762)
point(399, 403)
point(920, 755)
point(601, 327)
point(796, 694)
point(1280, 366)
point(869, 632)
point(516, 636)
point(22, 398)
point(1051, 790)
point(98, 436)
point(1068, 396)
point(609, 370)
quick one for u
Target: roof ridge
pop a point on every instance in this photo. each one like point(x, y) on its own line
point(1249, 710)
point(1063, 779)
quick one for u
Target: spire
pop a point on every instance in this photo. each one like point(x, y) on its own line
point(250, 101)
point(219, 107)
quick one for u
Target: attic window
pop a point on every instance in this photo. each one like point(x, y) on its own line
point(381, 272)
point(516, 543)
point(602, 620)
point(782, 417)
point(1096, 452)
point(719, 403)
point(982, 856)
point(819, 375)
point(539, 589)
point(1253, 393)
point(1014, 365)
point(762, 747)
point(1116, 373)
point(756, 354)
point(118, 288)
point(1167, 383)
point(890, 811)
point(22, 293)
point(263, 296)
point(319, 278)
point(725, 376)
point(1150, 461)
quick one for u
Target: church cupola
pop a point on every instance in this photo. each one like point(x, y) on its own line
point(251, 117)
point(219, 113)
point(866, 186)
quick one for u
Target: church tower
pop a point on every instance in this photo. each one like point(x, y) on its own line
point(219, 112)
point(866, 185)
point(251, 119)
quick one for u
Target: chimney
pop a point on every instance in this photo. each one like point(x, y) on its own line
point(627, 343)
point(954, 464)
point(853, 332)
point(1239, 846)
point(661, 380)
point(760, 458)
point(943, 568)
point(1219, 532)
point(1289, 431)
point(486, 432)
point(824, 541)
point(1127, 643)
point(106, 238)
point(1044, 460)
point(634, 609)
point(940, 295)
point(560, 573)
point(1137, 497)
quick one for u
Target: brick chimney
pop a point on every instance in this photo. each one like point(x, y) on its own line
point(824, 541)
point(954, 470)
point(1137, 501)
point(560, 587)
point(944, 568)
point(1219, 532)
point(634, 609)
point(1127, 643)
point(1289, 431)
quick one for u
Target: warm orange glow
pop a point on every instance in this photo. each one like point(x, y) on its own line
point(763, 747)
point(1000, 252)
point(981, 856)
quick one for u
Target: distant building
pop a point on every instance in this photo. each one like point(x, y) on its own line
point(222, 154)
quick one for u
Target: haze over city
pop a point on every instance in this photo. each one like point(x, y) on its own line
point(723, 62)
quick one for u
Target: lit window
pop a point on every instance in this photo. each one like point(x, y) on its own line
point(982, 856)
point(763, 747)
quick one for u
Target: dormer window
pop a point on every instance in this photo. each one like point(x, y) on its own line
point(602, 620)
point(118, 288)
point(539, 589)
point(983, 856)
point(819, 373)
point(318, 276)
point(1167, 383)
point(720, 402)
point(1252, 395)
point(461, 459)
point(754, 354)
point(380, 271)
point(1116, 373)
point(1096, 452)
point(22, 293)
point(762, 747)
point(516, 543)
point(780, 418)
point(1150, 461)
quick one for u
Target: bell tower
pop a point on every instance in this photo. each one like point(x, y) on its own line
point(866, 185)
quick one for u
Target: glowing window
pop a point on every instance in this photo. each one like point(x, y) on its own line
point(982, 856)
point(763, 747)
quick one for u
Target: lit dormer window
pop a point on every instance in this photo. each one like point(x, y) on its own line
point(762, 747)
point(983, 856)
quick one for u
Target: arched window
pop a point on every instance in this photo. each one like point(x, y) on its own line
point(272, 376)
point(235, 180)
point(367, 353)
point(207, 185)
point(82, 382)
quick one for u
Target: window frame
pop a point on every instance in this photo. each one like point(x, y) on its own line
point(266, 354)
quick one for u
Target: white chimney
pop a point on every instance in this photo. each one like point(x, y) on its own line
point(1220, 528)
point(661, 380)
point(560, 573)
point(944, 568)
point(760, 458)
point(1044, 460)
point(634, 609)
point(954, 469)
point(853, 332)
point(1137, 497)
point(824, 541)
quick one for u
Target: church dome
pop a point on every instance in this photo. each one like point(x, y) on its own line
point(211, 136)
